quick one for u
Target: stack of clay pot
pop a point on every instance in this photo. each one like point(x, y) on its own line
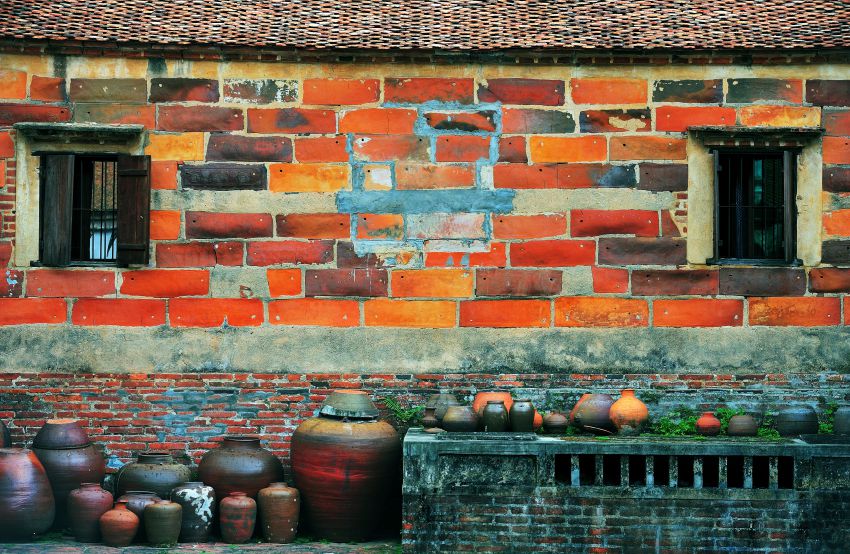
point(69, 458)
point(601, 415)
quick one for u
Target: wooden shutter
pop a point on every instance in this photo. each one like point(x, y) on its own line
point(57, 201)
point(134, 199)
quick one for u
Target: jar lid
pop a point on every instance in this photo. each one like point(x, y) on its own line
point(349, 403)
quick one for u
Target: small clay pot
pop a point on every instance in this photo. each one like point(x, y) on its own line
point(593, 414)
point(494, 417)
point(429, 419)
point(67, 469)
point(162, 522)
point(119, 525)
point(522, 416)
point(482, 398)
point(555, 423)
point(796, 420)
point(441, 402)
point(742, 426)
point(460, 419)
point(85, 506)
point(841, 423)
point(137, 501)
point(279, 507)
point(238, 515)
point(199, 509)
point(628, 413)
point(708, 425)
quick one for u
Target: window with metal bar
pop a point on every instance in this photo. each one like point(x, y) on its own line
point(95, 212)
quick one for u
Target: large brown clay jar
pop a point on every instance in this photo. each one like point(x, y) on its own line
point(628, 414)
point(494, 417)
point(239, 465)
point(199, 509)
point(572, 416)
point(152, 471)
point(279, 506)
point(67, 469)
point(137, 501)
point(60, 434)
point(238, 517)
point(482, 398)
point(347, 470)
point(555, 423)
point(162, 522)
point(85, 506)
point(119, 525)
point(460, 419)
point(742, 426)
point(27, 507)
point(5, 436)
point(592, 414)
point(522, 416)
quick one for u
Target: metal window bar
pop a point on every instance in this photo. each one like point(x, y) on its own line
point(95, 210)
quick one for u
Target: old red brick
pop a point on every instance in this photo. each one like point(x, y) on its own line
point(423, 314)
point(517, 282)
point(755, 281)
point(459, 148)
point(675, 282)
point(529, 226)
point(315, 311)
point(108, 90)
point(164, 224)
point(116, 114)
point(829, 279)
point(744, 91)
point(677, 118)
point(5, 253)
point(698, 312)
point(199, 254)
point(553, 253)
point(837, 122)
point(199, 118)
point(321, 149)
point(214, 225)
point(411, 176)
point(798, 312)
point(610, 280)
point(165, 283)
point(641, 251)
point(25, 311)
point(609, 91)
point(378, 121)
point(284, 282)
point(615, 121)
point(178, 89)
point(290, 252)
point(118, 312)
point(537, 92)
point(433, 283)
point(164, 175)
point(345, 282)
point(17, 113)
point(70, 282)
point(582, 311)
point(381, 148)
point(314, 226)
point(380, 226)
point(47, 89)
point(462, 121)
point(688, 90)
point(836, 150)
point(11, 282)
point(341, 91)
point(526, 121)
point(424, 89)
point(590, 148)
point(214, 312)
point(512, 150)
point(562, 176)
point(239, 148)
point(828, 92)
point(505, 313)
point(648, 148)
point(591, 223)
point(495, 256)
point(291, 120)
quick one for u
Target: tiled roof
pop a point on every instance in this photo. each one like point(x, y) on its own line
point(462, 25)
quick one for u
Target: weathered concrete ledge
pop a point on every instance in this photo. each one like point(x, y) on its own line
point(271, 349)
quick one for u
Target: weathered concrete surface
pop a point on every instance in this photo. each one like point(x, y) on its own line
point(68, 546)
point(372, 350)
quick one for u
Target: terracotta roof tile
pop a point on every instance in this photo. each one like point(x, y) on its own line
point(461, 25)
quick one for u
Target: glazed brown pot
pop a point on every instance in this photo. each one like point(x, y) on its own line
point(592, 414)
point(494, 417)
point(482, 398)
point(239, 465)
point(708, 425)
point(460, 419)
point(119, 525)
point(27, 507)
point(441, 402)
point(628, 414)
point(67, 470)
point(238, 517)
point(279, 507)
point(199, 509)
point(841, 423)
point(85, 506)
point(796, 420)
point(347, 471)
point(742, 426)
point(555, 423)
point(5, 436)
point(162, 522)
point(522, 416)
point(429, 418)
point(584, 397)
point(61, 434)
point(137, 501)
point(152, 471)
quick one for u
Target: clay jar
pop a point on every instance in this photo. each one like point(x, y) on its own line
point(137, 501)
point(742, 426)
point(482, 398)
point(5, 436)
point(429, 419)
point(460, 419)
point(238, 515)
point(796, 420)
point(26, 500)
point(494, 417)
point(841, 423)
point(85, 506)
point(708, 425)
point(555, 423)
point(199, 509)
point(119, 525)
point(346, 465)
point(441, 402)
point(628, 414)
point(592, 414)
point(584, 397)
point(240, 464)
point(156, 472)
point(522, 416)
point(162, 522)
point(279, 506)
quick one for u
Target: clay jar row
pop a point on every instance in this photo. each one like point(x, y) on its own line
point(600, 414)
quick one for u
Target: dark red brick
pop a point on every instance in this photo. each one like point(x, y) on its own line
point(215, 225)
point(458, 148)
point(345, 282)
point(239, 148)
point(836, 122)
point(688, 90)
point(108, 90)
point(177, 89)
point(223, 176)
point(291, 120)
point(829, 279)
point(424, 89)
point(755, 281)
point(675, 282)
point(744, 91)
point(517, 282)
point(462, 121)
point(290, 252)
point(314, 226)
point(615, 121)
point(591, 223)
point(536, 122)
point(836, 252)
point(347, 257)
point(199, 118)
point(642, 251)
point(836, 178)
point(198, 254)
point(563, 176)
point(512, 150)
point(822, 92)
point(663, 177)
point(18, 113)
point(535, 92)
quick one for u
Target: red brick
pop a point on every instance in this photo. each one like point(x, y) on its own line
point(291, 120)
point(239, 148)
point(830, 279)
point(828, 92)
point(213, 225)
point(69, 282)
point(517, 282)
point(314, 226)
point(11, 283)
point(610, 280)
point(529, 226)
point(505, 313)
point(17, 113)
point(468, 122)
point(313, 311)
point(432, 283)
point(641, 251)
point(512, 150)
point(460, 148)
point(798, 312)
point(582, 311)
point(378, 121)
point(539, 92)
point(593, 148)
point(199, 118)
point(698, 312)
point(7, 147)
point(780, 116)
point(13, 84)
point(553, 253)
point(745, 91)
point(648, 148)
point(180, 89)
point(198, 254)
point(591, 223)
point(321, 149)
point(381, 148)
point(380, 226)
point(345, 282)
point(116, 114)
point(24, 311)
point(164, 225)
point(290, 252)
point(284, 282)
point(837, 223)
point(608, 91)
point(47, 89)
point(685, 282)
point(411, 176)
point(495, 256)
point(164, 175)
point(426, 314)
point(837, 122)
point(5, 253)
point(615, 121)
point(418, 90)
point(214, 312)
point(536, 122)
point(165, 283)
point(562, 176)
point(677, 118)
point(836, 150)
point(118, 312)
point(341, 91)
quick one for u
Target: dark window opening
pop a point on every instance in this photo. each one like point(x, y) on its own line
point(755, 206)
point(637, 471)
point(711, 472)
point(686, 471)
point(611, 470)
point(94, 220)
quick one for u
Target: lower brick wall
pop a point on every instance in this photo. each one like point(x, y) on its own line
point(186, 412)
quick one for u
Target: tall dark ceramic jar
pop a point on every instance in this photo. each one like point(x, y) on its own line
point(85, 506)
point(279, 507)
point(593, 414)
point(162, 522)
point(240, 464)
point(27, 507)
point(69, 459)
point(522, 416)
point(494, 416)
point(156, 472)
point(796, 420)
point(346, 465)
point(137, 501)
point(841, 423)
point(199, 509)
point(238, 516)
